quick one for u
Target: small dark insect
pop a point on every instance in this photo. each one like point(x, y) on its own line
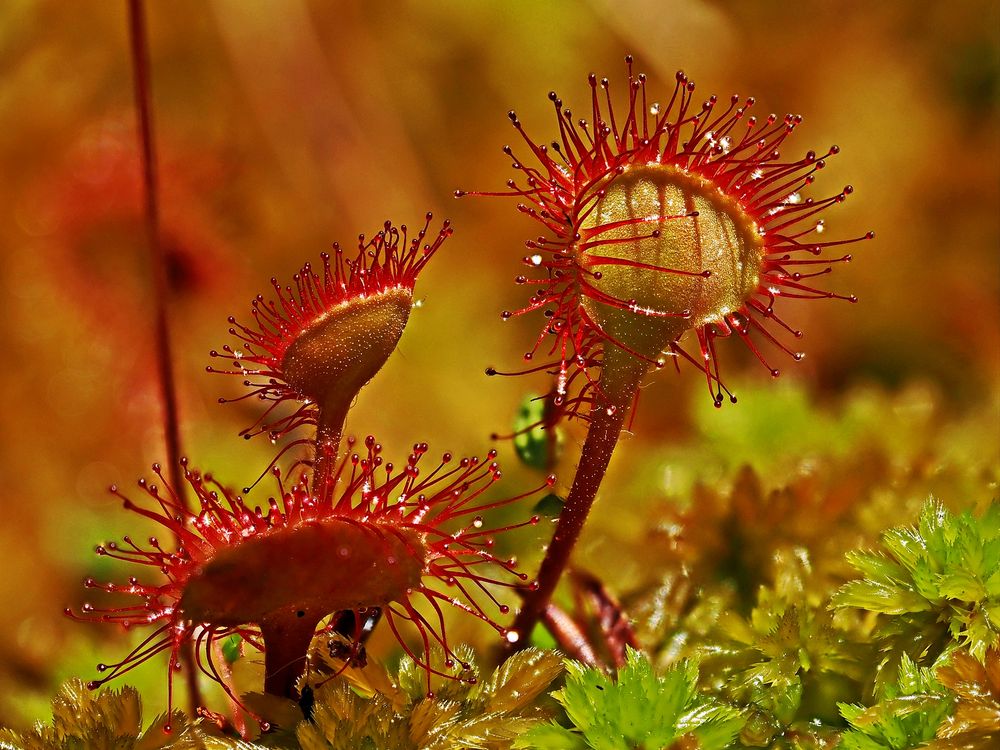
point(307, 699)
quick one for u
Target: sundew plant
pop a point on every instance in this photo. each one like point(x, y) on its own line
point(360, 491)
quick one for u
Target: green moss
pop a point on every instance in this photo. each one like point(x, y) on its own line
point(373, 710)
point(907, 714)
point(638, 709)
point(933, 583)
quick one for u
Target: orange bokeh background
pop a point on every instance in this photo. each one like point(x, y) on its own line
point(283, 126)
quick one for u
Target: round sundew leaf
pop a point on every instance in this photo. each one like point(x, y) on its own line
point(331, 329)
point(320, 567)
point(346, 346)
point(663, 219)
point(671, 248)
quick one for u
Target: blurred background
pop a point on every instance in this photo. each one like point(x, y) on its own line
point(282, 126)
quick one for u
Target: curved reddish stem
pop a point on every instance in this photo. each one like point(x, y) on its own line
point(620, 383)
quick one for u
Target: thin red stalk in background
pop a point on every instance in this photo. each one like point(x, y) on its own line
point(158, 266)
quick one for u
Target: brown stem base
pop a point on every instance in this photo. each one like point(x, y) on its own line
point(286, 644)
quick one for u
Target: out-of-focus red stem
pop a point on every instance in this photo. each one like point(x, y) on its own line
point(158, 265)
point(158, 258)
point(569, 636)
